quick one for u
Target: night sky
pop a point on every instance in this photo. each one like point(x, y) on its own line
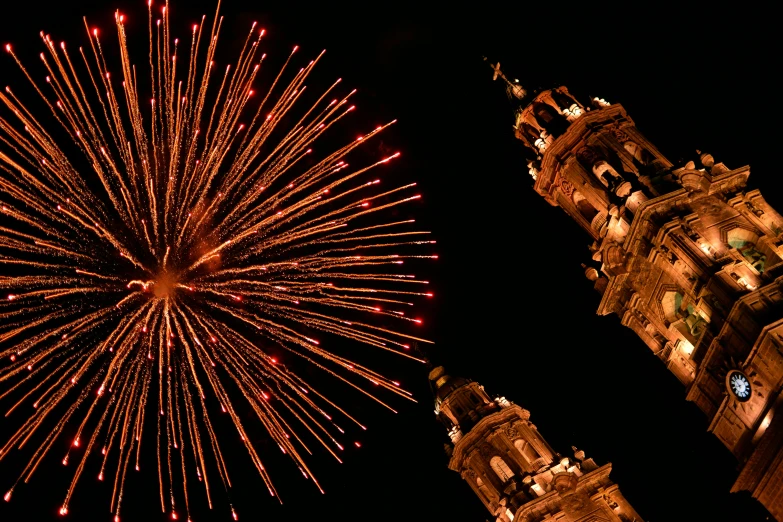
point(512, 308)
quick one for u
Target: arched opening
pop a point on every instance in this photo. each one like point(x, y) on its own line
point(563, 100)
point(526, 450)
point(584, 207)
point(611, 178)
point(544, 113)
point(530, 132)
point(638, 152)
point(675, 309)
point(763, 426)
point(671, 303)
point(606, 173)
point(745, 242)
point(567, 104)
point(549, 118)
point(501, 469)
point(483, 489)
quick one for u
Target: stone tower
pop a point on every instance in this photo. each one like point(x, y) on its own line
point(512, 469)
point(684, 255)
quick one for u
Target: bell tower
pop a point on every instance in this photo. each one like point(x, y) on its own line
point(510, 466)
point(685, 255)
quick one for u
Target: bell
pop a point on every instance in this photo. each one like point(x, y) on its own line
point(695, 324)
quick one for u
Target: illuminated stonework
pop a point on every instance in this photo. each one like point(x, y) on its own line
point(512, 469)
point(686, 257)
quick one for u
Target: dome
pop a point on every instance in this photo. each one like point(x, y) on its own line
point(444, 384)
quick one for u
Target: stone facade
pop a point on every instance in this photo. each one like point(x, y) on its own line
point(512, 469)
point(686, 257)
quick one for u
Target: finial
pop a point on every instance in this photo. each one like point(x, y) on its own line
point(437, 373)
point(591, 273)
point(706, 159)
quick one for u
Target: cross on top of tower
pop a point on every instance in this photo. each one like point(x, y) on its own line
point(498, 72)
point(513, 89)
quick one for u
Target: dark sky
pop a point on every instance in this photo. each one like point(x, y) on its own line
point(512, 308)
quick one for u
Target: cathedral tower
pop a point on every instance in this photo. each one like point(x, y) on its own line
point(684, 255)
point(512, 469)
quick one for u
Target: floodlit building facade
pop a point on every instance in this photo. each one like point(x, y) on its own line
point(684, 255)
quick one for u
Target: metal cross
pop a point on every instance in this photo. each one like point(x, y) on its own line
point(498, 72)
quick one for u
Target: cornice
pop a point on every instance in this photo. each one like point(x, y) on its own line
point(585, 480)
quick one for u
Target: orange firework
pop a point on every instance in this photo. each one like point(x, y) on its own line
point(157, 251)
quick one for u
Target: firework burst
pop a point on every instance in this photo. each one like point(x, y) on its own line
point(155, 249)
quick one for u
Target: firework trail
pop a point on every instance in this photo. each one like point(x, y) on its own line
point(149, 272)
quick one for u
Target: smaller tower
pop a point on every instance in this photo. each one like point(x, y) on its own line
point(512, 469)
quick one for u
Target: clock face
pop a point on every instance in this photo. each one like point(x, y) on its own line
point(738, 385)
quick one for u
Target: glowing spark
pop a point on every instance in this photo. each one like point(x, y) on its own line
point(186, 229)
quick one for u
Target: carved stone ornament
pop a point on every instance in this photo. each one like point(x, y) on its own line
point(614, 255)
point(469, 474)
point(753, 208)
point(486, 450)
point(640, 271)
point(576, 503)
point(619, 135)
point(708, 206)
point(588, 156)
point(512, 433)
point(566, 187)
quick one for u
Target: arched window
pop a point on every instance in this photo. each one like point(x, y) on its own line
point(531, 132)
point(548, 118)
point(570, 108)
point(672, 306)
point(745, 241)
point(607, 174)
point(584, 207)
point(483, 489)
point(563, 100)
point(544, 113)
point(500, 468)
point(673, 310)
point(740, 237)
point(638, 152)
point(526, 450)
point(756, 259)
